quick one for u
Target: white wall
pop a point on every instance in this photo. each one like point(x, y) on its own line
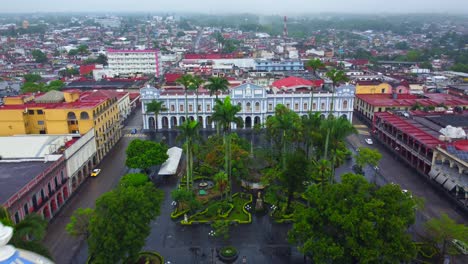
point(80, 152)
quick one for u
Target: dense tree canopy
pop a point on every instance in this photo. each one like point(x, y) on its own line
point(443, 230)
point(143, 154)
point(120, 224)
point(367, 156)
point(39, 56)
point(355, 222)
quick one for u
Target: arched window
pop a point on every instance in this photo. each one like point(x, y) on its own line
point(248, 106)
point(314, 106)
point(322, 107)
point(240, 105)
point(71, 116)
point(257, 106)
point(345, 104)
point(84, 115)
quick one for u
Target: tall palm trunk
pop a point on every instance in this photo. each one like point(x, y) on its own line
point(186, 105)
point(187, 165)
point(216, 122)
point(196, 102)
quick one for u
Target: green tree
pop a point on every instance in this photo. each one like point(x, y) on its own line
point(180, 34)
point(185, 80)
point(185, 199)
point(32, 77)
point(294, 175)
point(314, 64)
point(221, 179)
point(367, 156)
point(194, 86)
point(121, 222)
point(403, 45)
point(69, 72)
point(190, 131)
point(285, 128)
point(134, 179)
point(73, 52)
point(221, 228)
point(79, 222)
point(355, 222)
point(55, 85)
point(321, 172)
point(216, 85)
point(225, 114)
point(311, 131)
point(102, 59)
point(39, 56)
point(143, 154)
point(442, 231)
point(83, 49)
point(27, 234)
point(156, 107)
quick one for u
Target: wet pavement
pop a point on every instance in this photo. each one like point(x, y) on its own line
point(63, 247)
point(261, 241)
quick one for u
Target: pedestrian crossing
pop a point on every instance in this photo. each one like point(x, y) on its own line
point(135, 135)
point(362, 130)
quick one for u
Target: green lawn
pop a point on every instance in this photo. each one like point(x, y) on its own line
point(237, 214)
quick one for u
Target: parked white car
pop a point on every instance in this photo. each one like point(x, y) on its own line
point(369, 141)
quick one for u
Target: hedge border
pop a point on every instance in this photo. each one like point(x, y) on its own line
point(249, 215)
point(154, 253)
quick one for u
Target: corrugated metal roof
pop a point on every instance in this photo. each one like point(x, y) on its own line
point(51, 97)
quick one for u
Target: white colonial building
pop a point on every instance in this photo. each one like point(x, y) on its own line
point(134, 61)
point(257, 102)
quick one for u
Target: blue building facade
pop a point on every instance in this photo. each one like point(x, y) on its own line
point(273, 66)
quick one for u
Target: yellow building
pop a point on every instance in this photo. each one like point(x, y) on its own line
point(68, 112)
point(373, 87)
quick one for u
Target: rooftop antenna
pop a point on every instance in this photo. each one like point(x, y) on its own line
point(285, 27)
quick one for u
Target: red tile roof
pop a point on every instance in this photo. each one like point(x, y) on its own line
point(209, 56)
point(292, 81)
point(131, 51)
point(172, 77)
point(410, 129)
point(410, 99)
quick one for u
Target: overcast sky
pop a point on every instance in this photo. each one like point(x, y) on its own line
point(236, 6)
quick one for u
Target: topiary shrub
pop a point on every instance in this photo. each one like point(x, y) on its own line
point(228, 254)
point(134, 179)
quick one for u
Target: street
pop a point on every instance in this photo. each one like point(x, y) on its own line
point(261, 242)
point(62, 246)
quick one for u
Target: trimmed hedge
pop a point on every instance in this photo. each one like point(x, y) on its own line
point(238, 205)
point(175, 214)
point(152, 254)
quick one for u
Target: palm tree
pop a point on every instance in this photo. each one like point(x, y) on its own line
point(28, 233)
point(155, 107)
point(216, 85)
point(189, 130)
point(194, 86)
point(185, 80)
point(221, 179)
point(225, 114)
point(321, 171)
point(311, 131)
point(314, 65)
point(286, 125)
point(336, 76)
